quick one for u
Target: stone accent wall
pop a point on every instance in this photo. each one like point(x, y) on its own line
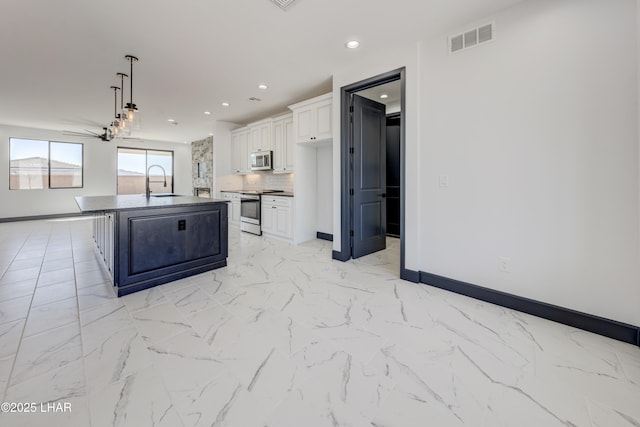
point(202, 153)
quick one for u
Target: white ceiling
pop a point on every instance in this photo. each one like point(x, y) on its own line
point(59, 58)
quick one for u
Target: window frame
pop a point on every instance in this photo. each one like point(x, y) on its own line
point(48, 167)
point(146, 162)
point(81, 166)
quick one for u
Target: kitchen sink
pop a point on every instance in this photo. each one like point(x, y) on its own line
point(164, 195)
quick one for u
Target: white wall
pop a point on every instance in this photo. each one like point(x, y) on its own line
point(324, 186)
point(538, 134)
point(223, 178)
point(99, 173)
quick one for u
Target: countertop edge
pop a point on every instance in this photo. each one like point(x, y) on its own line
point(281, 194)
point(93, 204)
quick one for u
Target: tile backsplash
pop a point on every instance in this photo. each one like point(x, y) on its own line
point(271, 181)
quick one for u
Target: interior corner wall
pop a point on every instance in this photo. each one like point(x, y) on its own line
point(638, 127)
point(223, 179)
point(324, 190)
point(361, 68)
point(100, 164)
point(538, 133)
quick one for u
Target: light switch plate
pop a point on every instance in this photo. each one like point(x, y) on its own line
point(504, 264)
point(443, 181)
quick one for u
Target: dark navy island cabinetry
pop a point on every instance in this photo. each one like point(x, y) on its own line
point(146, 242)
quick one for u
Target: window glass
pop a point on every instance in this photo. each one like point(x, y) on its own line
point(133, 164)
point(160, 178)
point(28, 164)
point(65, 165)
point(131, 171)
point(35, 164)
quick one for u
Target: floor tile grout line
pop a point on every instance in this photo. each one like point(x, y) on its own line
point(82, 343)
point(26, 319)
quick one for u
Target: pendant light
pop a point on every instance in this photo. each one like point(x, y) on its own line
point(124, 129)
point(115, 124)
point(133, 115)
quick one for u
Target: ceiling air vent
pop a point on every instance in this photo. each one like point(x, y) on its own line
point(283, 4)
point(471, 38)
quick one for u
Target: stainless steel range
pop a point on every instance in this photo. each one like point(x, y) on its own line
point(250, 210)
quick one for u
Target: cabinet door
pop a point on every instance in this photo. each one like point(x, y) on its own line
point(255, 140)
point(235, 154)
point(283, 221)
point(203, 234)
point(268, 218)
point(266, 143)
point(289, 146)
point(244, 161)
point(260, 138)
point(235, 212)
point(279, 150)
point(303, 122)
point(240, 152)
point(155, 242)
point(323, 120)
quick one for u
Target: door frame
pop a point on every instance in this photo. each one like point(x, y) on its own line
point(346, 143)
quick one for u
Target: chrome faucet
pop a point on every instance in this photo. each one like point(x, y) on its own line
point(148, 189)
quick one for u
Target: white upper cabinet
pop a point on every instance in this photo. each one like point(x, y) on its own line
point(261, 136)
point(283, 144)
point(240, 150)
point(312, 119)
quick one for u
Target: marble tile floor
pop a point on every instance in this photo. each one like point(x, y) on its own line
point(284, 336)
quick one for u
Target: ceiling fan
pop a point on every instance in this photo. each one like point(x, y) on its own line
point(106, 135)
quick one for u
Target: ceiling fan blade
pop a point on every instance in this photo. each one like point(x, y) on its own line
point(71, 132)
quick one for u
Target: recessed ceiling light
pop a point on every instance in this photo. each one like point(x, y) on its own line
point(225, 104)
point(171, 120)
point(208, 113)
point(210, 133)
point(262, 86)
point(384, 96)
point(352, 44)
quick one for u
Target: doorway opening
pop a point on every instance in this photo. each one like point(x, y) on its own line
point(372, 165)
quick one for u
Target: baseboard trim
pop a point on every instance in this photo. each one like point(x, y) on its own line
point(410, 275)
point(341, 256)
point(588, 322)
point(324, 236)
point(39, 217)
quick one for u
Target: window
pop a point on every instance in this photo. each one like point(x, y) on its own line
point(65, 165)
point(133, 164)
point(35, 164)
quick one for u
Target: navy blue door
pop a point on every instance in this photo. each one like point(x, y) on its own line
point(369, 176)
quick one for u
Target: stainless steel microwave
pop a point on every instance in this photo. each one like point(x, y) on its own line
point(261, 161)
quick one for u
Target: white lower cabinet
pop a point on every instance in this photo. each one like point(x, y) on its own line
point(234, 208)
point(103, 234)
point(277, 216)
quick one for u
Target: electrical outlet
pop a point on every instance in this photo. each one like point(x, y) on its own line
point(443, 181)
point(504, 264)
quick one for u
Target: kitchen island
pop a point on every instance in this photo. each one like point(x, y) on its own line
point(146, 242)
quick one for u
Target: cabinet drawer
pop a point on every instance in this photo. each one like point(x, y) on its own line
point(276, 201)
point(230, 196)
